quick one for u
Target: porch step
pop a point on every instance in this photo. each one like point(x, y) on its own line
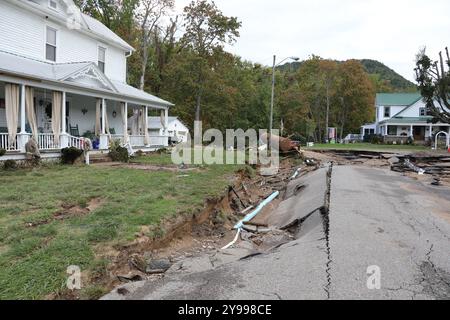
point(99, 158)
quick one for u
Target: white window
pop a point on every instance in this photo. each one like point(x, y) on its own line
point(50, 45)
point(101, 58)
point(387, 112)
point(53, 4)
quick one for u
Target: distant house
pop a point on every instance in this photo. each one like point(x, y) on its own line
point(63, 76)
point(400, 116)
point(176, 130)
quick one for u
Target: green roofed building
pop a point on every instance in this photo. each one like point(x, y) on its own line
point(400, 116)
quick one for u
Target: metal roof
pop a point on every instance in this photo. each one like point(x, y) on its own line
point(100, 29)
point(406, 120)
point(397, 99)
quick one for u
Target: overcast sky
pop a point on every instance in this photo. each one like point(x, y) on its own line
point(391, 31)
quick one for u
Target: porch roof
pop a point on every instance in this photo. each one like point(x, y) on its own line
point(397, 99)
point(406, 120)
point(70, 73)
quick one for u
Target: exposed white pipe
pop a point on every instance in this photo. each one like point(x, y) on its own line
point(234, 241)
point(297, 172)
point(250, 216)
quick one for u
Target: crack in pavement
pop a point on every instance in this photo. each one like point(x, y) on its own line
point(325, 213)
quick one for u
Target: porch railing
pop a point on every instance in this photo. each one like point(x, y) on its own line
point(159, 141)
point(137, 141)
point(4, 143)
point(76, 142)
point(117, 137)
point(47, 141)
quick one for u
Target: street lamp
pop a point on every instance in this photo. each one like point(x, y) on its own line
point(273, 88)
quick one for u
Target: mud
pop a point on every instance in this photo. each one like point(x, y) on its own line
point(68, 211)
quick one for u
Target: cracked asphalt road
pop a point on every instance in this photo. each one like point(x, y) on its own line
point(375, 218)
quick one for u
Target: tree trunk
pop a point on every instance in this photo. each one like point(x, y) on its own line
point(198, 106)
point(143, 66)
point(327, 121)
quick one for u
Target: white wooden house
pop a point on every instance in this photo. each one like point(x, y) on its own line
point(176, 130)
point(400, 116)
point(62, 76)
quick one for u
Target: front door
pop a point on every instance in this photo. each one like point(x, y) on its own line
point(419, 133)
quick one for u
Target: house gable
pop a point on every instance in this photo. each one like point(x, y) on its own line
point(90, 76)
point(411, 111)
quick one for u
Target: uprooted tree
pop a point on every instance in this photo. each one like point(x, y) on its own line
point(433, 78)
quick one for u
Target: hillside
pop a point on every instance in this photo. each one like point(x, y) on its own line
point(376, 69)
point(398, 82)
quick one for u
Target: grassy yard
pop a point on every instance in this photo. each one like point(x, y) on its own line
point(370, 147)
point(36, 247)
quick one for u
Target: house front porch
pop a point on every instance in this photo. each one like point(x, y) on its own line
point(60, 117)
point(419, 133)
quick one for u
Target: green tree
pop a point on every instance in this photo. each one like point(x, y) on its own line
point(357, 96)
point(206, 30)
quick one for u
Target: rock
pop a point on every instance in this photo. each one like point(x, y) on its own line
point(158, 266)
point(131, 277)
point(137, 262)
point(393, 160)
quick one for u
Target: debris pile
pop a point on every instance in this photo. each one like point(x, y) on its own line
point(436, 165)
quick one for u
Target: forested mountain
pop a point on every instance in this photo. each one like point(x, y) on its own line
point(384, 78)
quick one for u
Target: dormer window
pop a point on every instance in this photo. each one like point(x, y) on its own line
point(101, 58)
point(425, 111)
point(50, 45)
point(52, 4)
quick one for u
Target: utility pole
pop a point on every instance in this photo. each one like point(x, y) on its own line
point(273, 95)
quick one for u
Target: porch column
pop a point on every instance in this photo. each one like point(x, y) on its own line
point(125, 123)
point(23, 137)
point(64, 137)
point(103, 116)
point(146, 136)
point(431, 131)
point(22, 109)
point(63, 113)
point(166, 133)
point(166, 119)
point(412, 132)
point(103, 136)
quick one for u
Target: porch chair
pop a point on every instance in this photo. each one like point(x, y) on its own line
point(74, 131)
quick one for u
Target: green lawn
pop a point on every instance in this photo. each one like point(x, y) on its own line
point(36, 248)
point(370, 147)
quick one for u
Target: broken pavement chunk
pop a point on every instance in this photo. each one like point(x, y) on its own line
point(158, 266)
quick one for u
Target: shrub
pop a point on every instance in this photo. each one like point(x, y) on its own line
point(70, 155)
point(117, 152)
point(376, 139)
point(10, 165)
point(2, 152)
point(410, 141)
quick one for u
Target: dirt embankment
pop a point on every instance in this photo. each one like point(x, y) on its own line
point(186, 236)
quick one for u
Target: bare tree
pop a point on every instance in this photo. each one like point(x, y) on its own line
point(434, 84)
point(149, 14)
